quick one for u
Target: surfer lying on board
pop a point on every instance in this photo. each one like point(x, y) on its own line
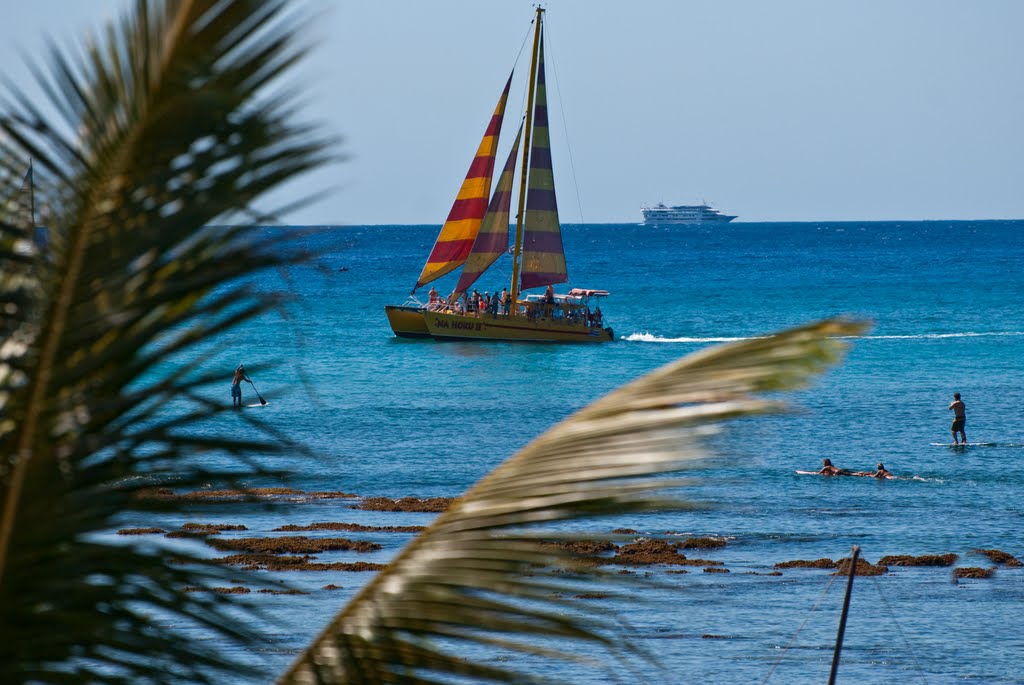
point(828, 469)
point(879, 472)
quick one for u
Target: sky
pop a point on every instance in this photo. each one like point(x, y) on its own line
point(789, 110)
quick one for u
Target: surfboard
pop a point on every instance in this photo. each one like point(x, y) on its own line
point(807, 473)
point(257, 405)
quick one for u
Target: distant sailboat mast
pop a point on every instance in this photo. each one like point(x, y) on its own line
point(521, 213)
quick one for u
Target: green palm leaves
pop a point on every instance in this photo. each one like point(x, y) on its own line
point(168, 125)
point(480, 575)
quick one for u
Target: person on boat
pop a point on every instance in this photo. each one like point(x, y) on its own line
point(597, 315)
point(959, 419)
point(549, 301)
point(236, 386)
point(828, 469)
point(474, 301)
point(433, 295)
point(505, 301)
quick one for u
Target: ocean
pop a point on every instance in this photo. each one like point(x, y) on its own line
point(389, 417)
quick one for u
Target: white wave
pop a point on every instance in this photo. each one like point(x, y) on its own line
point(652, 338)
point(936, 336)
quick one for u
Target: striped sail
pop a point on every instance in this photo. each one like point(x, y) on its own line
point(492, 240)
point(543, 256)
point(460, 229)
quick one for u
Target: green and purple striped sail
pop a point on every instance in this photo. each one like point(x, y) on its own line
point(543, 255)
point(492, 240)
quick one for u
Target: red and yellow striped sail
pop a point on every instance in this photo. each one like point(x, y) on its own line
point(460, 229)
point(543, 255)
point(492, 240)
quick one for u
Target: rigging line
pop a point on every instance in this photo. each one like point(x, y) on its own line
point(789, 644)
point(565, 127)
point(899, 630)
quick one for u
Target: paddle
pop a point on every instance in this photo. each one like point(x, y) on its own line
point(262, 401)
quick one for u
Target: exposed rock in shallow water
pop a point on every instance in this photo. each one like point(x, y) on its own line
point(646, 551)
point(624, 531)
point(592, 595)
point(292, 591)
point(332, 495)
point(216, 527)
point(713, 569)
point(270, 562)
point(430, 504)
point(801, 563)
point(925, 560)
point(756, 573)
point(703, 543)
point(350, 528)
point(332, 586)
point(864, 568)
point(973, 572)
point(998, 556)
point(140, 531)
point(237, 590)
point(238, 495)
point(293, 544)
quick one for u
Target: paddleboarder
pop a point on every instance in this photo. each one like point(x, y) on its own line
point(236, 386)
point(959, 419)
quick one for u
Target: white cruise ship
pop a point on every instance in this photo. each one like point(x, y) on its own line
point(659, 214)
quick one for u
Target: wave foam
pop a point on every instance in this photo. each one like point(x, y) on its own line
point(652, 338)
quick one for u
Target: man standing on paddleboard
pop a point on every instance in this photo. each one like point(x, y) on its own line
point(959, 419)
point(236, 386)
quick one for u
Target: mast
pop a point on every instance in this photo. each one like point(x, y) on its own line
point(518, 245)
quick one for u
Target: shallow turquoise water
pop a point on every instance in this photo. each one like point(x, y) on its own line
point(397, 418)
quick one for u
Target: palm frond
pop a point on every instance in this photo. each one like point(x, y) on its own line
point(170, 123)
point(480, 577)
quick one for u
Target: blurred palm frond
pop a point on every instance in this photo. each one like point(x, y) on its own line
point(172, 121)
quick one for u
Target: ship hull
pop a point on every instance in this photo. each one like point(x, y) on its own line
point(658, 221)
point(407, 322)
point(497, 328)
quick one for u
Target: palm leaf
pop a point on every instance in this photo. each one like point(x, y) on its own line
point(173, 121)
point(480, 577)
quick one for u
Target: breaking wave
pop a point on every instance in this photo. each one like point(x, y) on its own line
point(652, 338)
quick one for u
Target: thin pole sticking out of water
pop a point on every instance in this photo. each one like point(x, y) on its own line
point(842, 617)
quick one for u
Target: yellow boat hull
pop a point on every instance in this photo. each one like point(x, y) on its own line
point(497, 327)
point(407, 322)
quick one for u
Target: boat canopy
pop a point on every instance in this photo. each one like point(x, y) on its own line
point(587, 292)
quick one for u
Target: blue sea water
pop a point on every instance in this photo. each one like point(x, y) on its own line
point(390, 417)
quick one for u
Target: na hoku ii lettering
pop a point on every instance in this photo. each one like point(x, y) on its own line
point(459, 325)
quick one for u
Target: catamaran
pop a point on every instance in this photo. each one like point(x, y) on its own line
point(476, 232)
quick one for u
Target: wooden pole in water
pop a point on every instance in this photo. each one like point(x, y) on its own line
point(842, 617)
point(32, 196)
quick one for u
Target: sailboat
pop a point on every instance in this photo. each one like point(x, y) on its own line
point(475, 235)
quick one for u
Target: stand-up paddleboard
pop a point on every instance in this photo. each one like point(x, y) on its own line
point(972, 444)
point(258, 404)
